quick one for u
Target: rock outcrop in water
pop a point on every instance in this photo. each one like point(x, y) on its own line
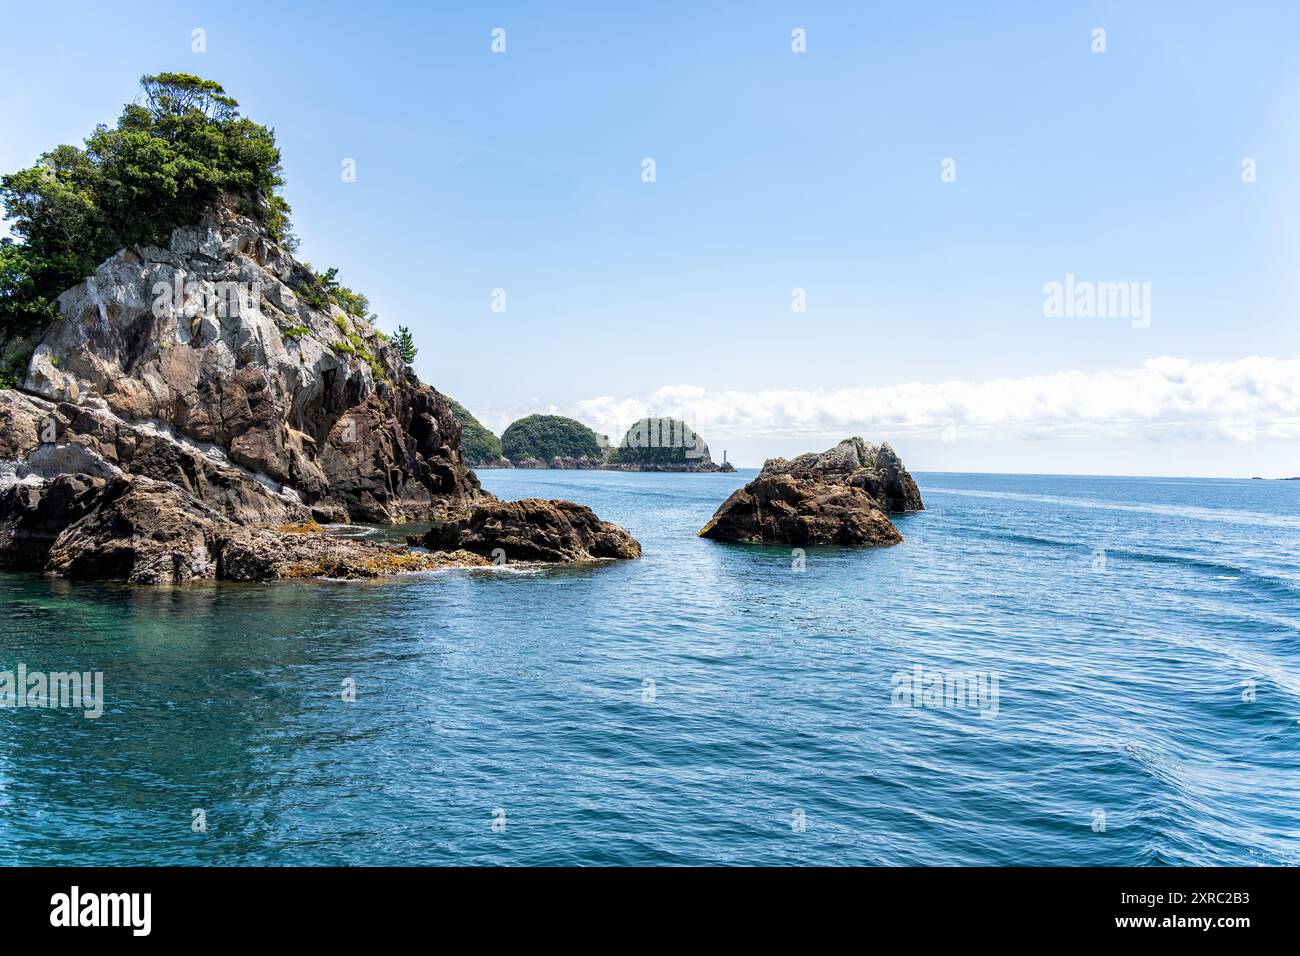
point(840, 496)
point(192, 400)
point(532, 530)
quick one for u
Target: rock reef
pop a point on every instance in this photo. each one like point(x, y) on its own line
point(840, 496)
point(142, 531)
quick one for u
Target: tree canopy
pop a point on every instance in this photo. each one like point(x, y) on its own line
point(478, 446)
point(404, 342)
point(178, 148)
point(547, 436)
point(660, 441)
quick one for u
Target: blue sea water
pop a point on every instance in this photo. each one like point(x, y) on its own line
point(705, 704)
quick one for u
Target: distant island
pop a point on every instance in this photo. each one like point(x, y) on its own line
point(554, 441)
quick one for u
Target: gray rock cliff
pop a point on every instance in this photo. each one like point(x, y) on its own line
point(214, 384)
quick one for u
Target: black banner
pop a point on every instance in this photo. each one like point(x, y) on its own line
point(333, 905)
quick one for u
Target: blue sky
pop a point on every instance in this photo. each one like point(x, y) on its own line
point(778, 170)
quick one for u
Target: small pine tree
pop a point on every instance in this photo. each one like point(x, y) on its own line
point(405, 345)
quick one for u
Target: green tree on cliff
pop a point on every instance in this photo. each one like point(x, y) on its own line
point(181, 146)
point(404, 342)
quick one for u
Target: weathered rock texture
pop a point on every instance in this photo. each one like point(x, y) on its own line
point(215, 338)
point(190, 400)
point(532, 530)
point(142, 531)
point(41, 440)
point(840, 496)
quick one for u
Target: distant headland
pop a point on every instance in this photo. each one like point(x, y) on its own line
point(554, 441)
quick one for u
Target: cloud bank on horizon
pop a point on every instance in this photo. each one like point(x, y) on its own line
point(1244, 400)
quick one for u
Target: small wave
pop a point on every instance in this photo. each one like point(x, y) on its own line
point(1218, 515)
point(351, 530)
point(507, 569)
point(1271, 583)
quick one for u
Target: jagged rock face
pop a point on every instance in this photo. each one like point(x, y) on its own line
point(839, 496)
point(532, 530)
point(878, 470)
point(165, 435)
point(213, 338)
point(41, 440)
point(34, 514)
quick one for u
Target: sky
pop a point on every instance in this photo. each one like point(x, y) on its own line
point(916, 179)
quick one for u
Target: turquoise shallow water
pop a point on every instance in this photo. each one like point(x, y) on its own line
point(770, 733)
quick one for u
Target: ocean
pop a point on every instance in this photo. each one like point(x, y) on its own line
point(1048, 671)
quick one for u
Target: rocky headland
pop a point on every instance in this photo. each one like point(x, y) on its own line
point(203, 411)
point(840, 496)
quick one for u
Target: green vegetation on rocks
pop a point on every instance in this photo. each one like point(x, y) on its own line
point(478, 446)
point(319, 290)
point(544, 437)
point(12, 372)
point(180, 147)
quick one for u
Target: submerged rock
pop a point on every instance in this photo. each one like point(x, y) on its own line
point(532, 530)
point(839, 496)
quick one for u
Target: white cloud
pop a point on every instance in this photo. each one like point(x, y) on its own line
point(1167, 397)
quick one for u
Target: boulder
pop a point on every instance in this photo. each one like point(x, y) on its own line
point(532, 530)
point(839, 496)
